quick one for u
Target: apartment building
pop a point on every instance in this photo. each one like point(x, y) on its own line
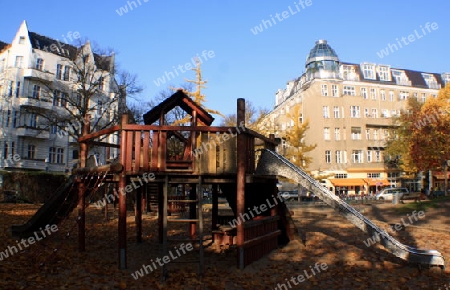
point(44, 86)
point(350, 108)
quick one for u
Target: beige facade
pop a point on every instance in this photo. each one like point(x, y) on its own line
point(350, 108)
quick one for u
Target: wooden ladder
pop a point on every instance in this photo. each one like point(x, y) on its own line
point(195, 219)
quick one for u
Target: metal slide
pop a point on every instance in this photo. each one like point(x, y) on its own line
point(62, 202)
point(271, 163)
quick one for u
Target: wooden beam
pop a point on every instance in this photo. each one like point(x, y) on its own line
point(134, 127)
point(122, 222)
point(240, 192)
point(113, 167)
point(99, 133)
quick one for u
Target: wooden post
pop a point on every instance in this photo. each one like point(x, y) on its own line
point(240, 193)
point(215, 207)
point(160, 211)
point(193, 209)
point(122, 223)
point(138, 214)
point(81, 189)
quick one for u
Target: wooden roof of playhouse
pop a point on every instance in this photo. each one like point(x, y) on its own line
point(184, 102)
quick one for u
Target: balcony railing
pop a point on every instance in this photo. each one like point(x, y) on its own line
point(40, 103)
point(26, 131)
point(39, 75)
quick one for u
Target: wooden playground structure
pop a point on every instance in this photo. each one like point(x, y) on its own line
point(222, 158)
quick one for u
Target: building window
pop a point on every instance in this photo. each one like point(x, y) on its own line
point(339, 156)
point(21, 39)
point(300, 118)
point(100, 108)
point(348, 73)
point(56, 98)
point(56, 155)
point(36, 92)
point(356, 133)
point(14, 119)
point(53, 129)
point(391, 96)
point(39, 64)
point(59, 71)
point(32, 120)
point(383, 72)
point(5, 150)
point(10, 88)
point(334, 90)
point(327, 156)
point(349, 90)
point(336, 112)
point(366, 113)
point(377, 156)
point(17, 89)
point(337, 133)
point(326, 133)
point(19, 61)
point(64, 98)
point(101, 84)
point(373, 175)
point(355, 112)
point(368, 134)
point(66, 73)
point(375, 134)
point(340, 175)
point(357, 156)
point(404, 95)
point(75, 154)
point(431, 81)
point(374, 113)
point(31, 152)
point(383, 95)
point(364, 93)
point(373, 93)
point(369, 71)
point(326, 112)
point(13, 148)
point(325, 90)
point(8, 118)
point(369, 156)
point(385, 113)
point(424, 98)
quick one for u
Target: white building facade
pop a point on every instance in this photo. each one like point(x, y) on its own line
point(41, 95)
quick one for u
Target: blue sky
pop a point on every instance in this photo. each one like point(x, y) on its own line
point(156, 36)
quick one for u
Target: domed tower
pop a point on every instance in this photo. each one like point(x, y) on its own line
point(322, 62)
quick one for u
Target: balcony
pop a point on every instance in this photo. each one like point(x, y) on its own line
point(42, 103)
point(38, 75)
point(26, 131)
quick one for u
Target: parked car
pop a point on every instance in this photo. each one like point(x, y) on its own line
point(290, 195)
point(388, 193)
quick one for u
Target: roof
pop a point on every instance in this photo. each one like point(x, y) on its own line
point(65, 50)
point(3, 45)
point(321, 51)
point(415, 77)
point(184, 102)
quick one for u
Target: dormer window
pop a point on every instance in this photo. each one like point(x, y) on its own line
point(431, 81)
point(383, 72)
point(21, 39)
point(400, 77)
point(446, 77)
point(369, 71)
point(349, 73)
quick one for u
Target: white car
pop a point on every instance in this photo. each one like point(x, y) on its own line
point(388, 193)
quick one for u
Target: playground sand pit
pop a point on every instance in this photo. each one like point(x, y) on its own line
point(330, 253)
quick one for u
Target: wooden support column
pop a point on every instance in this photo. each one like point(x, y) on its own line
point(215, 207)
point(122, 223)
point(138, 214)
point(240, 193)
point(160, 211)
point(193, 209)
point(81, 189)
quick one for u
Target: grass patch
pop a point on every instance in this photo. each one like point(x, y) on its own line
point(424, 205)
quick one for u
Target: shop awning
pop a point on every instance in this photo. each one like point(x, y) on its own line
point(377, 182)
point(347, 181)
